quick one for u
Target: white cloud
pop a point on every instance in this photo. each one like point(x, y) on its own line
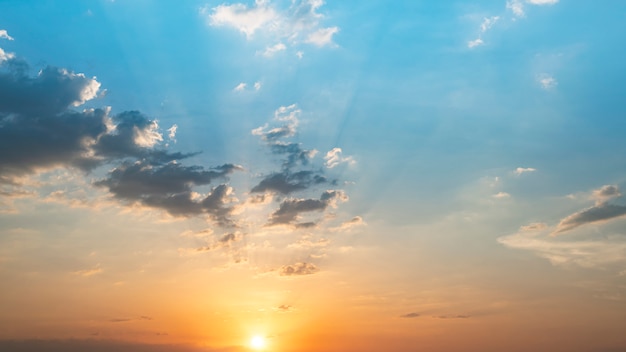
point(523, 170)
point(300, 23)
point(5, 35)
point(257, 85)
point(474, 43)
point(323, 36)
point(271, 50)
point(501, 195)
point(546, 81)
point(488, 22)
point(516, 6)
point(4, 56)
point(149, 136)
point(239, 16)
point(240, 87)
point(171, 132)
point(299, 54)
point(334, 158)
point(542, 2)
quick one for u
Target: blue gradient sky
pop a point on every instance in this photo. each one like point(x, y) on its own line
point(336, 176)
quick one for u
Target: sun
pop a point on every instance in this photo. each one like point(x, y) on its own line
point(257, 342)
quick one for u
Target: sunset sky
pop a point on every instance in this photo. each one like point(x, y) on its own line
point(309, 175)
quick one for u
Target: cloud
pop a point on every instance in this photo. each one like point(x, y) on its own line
point(334, 158)
point(410, 315)
point(474, 43)
point(300, 23)
point(350, 224)
point(240, 87)
point(488, 22)
point(286, 182)
point(5, 35)
point(322, 37)
point(501, 195)
point(517, 7)
point(459, 316)
point(546, 81)
point(257, 85)
point(271, 50)
point(88, 272)
point(523, 170)
point(595, 214)
point(605, 193)
point(171, 133)
point(4, 56)
point(298, 269)
point(535, 226)
point(290, 209)
point(542, 2)
point(169, 187)
point(239, 16)
point(560, 251)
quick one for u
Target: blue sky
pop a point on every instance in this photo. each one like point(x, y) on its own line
point(425, 159)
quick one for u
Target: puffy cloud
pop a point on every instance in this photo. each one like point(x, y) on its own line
point(5, 35)
point(286, 182)
point(323, 36)
point(257, 85)
point(169, 187)
point(4, 56)
point(300, 23)
point(334, 158)
point(523, 170)
point(605, 193)
point(290, 209)
point(517, 7)
point(297, 269)
point(239, 16)
point(52, 91)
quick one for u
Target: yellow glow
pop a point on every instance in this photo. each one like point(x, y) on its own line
point(257, 342)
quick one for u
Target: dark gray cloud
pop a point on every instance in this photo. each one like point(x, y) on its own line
point(98, 345)
point(298, 269)
point(52, 91)
point(290, 209)
point(410, 315)
point(286, 182)
point(597, 213)
point(170, 187)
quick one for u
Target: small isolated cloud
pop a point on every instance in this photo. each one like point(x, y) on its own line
point(474, 43)
point(257, 85)
point(350, 224)
point(488, 22)
point(546, 81)
point(88, 272)
point(5, 35)
point(284, 308)
point(523, 170)
point(533, 227)
point(171, 133)
point(271, 50)
point(298, 269)
point(501, 195)
point(410, 315)
point(299, 54)
point(458, 316)
point(323, 36)
point(334, 158)
point(239, 16)
point(4, 56)
point(240, 87)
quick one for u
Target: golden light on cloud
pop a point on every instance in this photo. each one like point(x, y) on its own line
point(257, 342)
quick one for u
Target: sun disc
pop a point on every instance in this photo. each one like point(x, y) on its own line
point(257, 342)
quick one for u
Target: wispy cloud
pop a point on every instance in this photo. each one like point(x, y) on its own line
point(547, 81)
point(298, 269)
point(299, 23)
point(5, 35)
point(523, 170)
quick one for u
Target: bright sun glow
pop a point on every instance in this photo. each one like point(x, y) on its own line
point(257, 342)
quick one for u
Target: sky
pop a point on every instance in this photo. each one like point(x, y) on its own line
point(309, 175)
